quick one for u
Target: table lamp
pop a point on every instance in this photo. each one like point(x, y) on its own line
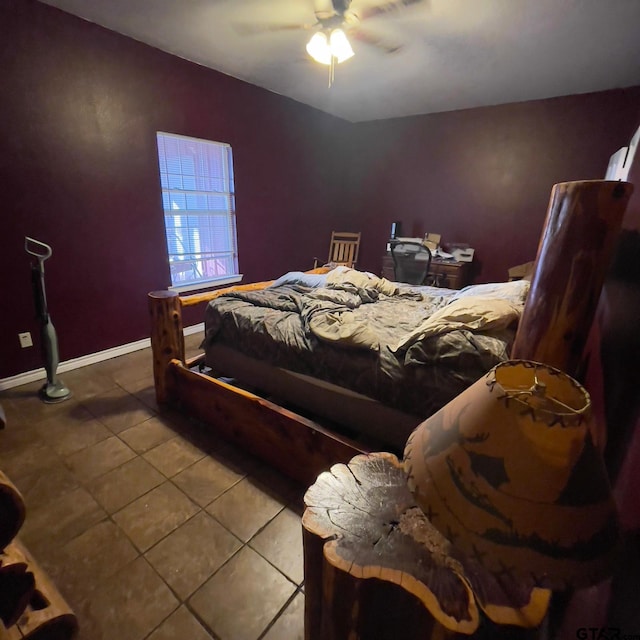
point(509, 474)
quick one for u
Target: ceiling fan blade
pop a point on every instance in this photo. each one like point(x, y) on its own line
point(362, 35)
point(386, 8)
point(250, 29)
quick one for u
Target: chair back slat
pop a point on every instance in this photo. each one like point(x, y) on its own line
point(344, 248)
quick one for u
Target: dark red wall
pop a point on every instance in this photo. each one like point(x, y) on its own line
point(484, 176)
point(79, 112)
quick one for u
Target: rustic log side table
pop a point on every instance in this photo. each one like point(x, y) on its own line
point(376, 569)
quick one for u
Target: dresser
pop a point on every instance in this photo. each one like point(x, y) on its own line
point(442, 273)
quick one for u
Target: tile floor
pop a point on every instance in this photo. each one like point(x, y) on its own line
point(149, 526)
point(152, 528)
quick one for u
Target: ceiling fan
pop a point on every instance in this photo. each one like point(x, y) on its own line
point(335, 23)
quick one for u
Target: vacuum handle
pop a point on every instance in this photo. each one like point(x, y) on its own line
point(46, 249)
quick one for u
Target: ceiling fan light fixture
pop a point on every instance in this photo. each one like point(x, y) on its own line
point(318, 48)
point(339, 45)
point(323, 49)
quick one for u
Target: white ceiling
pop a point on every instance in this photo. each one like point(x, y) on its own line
point(455, 54)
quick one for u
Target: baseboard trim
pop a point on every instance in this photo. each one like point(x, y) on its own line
point(83, 361)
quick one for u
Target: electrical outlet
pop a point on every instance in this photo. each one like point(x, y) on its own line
point(25, 340)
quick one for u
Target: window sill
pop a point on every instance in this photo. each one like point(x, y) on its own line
point(197, 286)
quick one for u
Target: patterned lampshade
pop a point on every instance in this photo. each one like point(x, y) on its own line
point(508, 472)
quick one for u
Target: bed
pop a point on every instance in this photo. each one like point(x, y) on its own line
point(400, 352)
point(357, 360)
point(303, 421)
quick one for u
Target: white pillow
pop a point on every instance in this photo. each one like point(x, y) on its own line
point(514, 292)
point(471, 313)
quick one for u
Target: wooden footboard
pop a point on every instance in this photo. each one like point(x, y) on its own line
point(295, 445)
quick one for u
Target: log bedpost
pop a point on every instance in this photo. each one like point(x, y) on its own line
point(583, 222)
point(167, 339)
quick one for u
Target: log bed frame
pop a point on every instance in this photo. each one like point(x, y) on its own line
point(583, 222)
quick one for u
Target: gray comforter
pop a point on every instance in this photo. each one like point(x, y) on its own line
point(413, 349)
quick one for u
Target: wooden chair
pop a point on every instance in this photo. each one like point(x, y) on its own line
point(343, 249)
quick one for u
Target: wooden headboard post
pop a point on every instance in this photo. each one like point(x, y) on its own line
point(167, 339)
point(582, 225)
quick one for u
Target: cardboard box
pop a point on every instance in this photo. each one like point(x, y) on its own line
point(432, 240)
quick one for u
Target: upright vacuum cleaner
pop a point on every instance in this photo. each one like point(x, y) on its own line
point(54, 390)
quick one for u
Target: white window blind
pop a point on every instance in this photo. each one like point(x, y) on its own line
point(199, 210)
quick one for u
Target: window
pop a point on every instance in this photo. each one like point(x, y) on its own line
point(199, 211)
